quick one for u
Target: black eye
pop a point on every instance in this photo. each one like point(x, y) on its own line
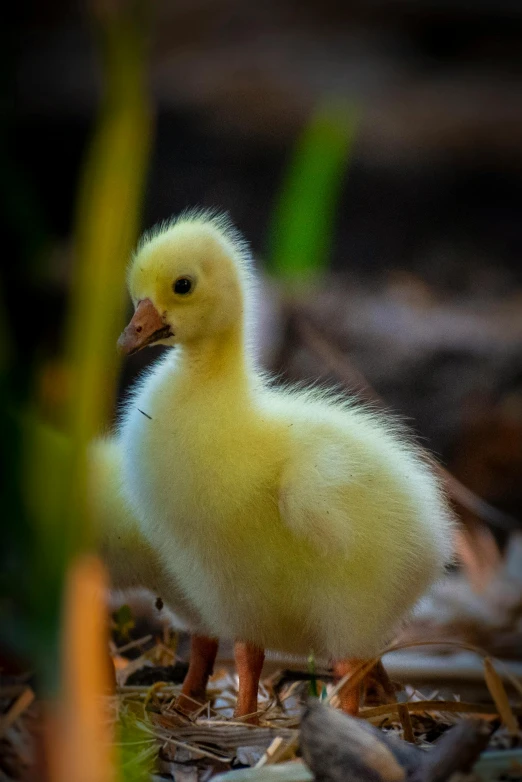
point(182, 286)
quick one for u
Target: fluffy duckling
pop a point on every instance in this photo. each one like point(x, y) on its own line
point(292, 519)
point(132, 562)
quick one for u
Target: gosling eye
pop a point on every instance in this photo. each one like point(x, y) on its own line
point(183, 285)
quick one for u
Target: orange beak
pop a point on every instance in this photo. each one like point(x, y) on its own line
point(145, 328)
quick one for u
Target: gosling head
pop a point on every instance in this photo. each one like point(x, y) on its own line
point(187, 281)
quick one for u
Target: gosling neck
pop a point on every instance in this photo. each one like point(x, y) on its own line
point(219, 360)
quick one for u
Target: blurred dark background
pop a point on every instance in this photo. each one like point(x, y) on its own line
point(436, 174)
point(428, 232)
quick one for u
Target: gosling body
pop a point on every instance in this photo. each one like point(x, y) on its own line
point(291, 519)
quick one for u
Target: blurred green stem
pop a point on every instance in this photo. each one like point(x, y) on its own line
point(106, 228)
point(302, 224)
point(107, 224)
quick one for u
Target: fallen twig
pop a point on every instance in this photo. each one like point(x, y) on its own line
point(17, 708)
point(499, 695)
point(430, 707)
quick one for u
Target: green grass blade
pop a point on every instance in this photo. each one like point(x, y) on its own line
point(302, 225)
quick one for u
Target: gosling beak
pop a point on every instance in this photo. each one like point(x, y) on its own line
point(145, 328)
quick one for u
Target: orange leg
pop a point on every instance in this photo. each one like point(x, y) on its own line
point(349, 696)
point(379, 676)
point(249, 663)
point(203, 652)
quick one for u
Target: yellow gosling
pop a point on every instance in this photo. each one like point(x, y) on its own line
point(291, 519)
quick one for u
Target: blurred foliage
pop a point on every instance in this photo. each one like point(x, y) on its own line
point(302, 224)
point(138, 751)
point(45, 471)
point(107, 224)
point(312, 685)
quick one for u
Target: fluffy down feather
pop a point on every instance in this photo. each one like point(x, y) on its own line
point(130, 559)
point(289, 518)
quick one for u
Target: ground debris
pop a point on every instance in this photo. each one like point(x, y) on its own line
point(336, 746)
point(158, 673)
point(196, 746)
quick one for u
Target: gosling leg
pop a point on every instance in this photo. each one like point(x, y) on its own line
point(249, 663)
point(203, 652)
point(349, 696)
point(379, 676)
